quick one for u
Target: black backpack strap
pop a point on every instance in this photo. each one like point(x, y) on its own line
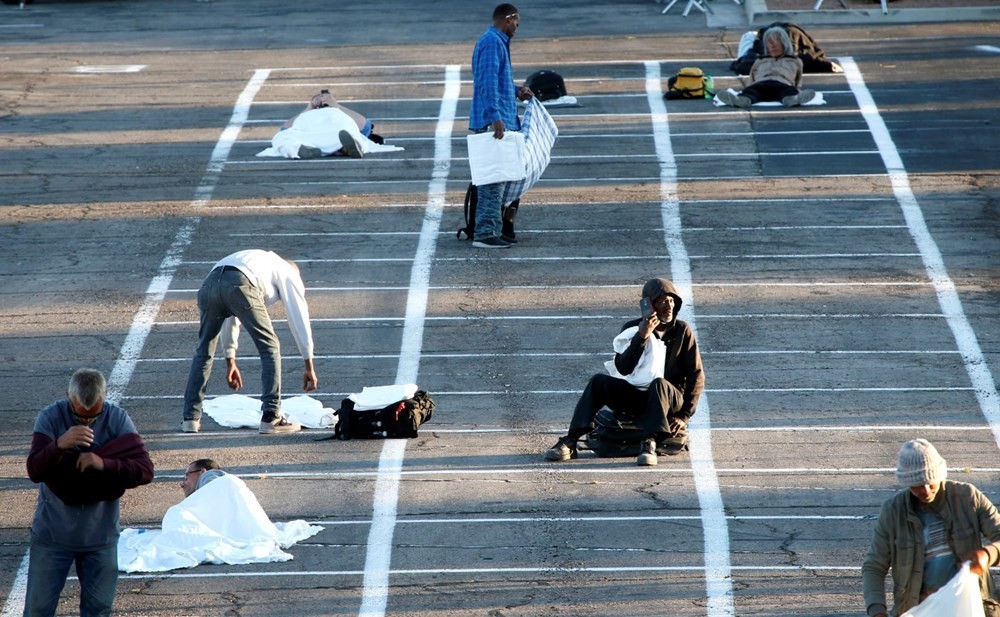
point(469, 228)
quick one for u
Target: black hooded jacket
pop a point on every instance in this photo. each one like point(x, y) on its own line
point(683, 366)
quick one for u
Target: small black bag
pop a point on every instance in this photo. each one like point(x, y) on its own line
point(399, 420)
point(547, 85)
point(614, 435)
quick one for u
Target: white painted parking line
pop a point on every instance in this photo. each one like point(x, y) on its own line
point(110, 68)
point(718, 576)
point(467, 571)
point(145, 318)
point(951, 305)
point(378, 556)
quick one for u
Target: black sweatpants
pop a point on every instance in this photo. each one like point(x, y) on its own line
point(654, 407)
point(768, 90)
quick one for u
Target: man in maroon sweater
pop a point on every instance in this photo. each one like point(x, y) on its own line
point(85, 453)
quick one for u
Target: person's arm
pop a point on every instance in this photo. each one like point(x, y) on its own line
point(989, 525)
point(230, 338)
point(486, 68)
point(694, 373)
point(293, 296)
point(626, 361)
point(876, 565)
point(126, 461)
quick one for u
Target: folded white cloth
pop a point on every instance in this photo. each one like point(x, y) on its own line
point(240, 411)
point(493, 160)
point(221, 522)
point(816, 100)
point(651, 363)
point(320, 128)
point(378, 397)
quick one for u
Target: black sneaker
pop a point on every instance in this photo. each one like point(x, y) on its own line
point(351, 147)
point(278, 425)
point(496, 242)
point(647, 455)
point(507, 232)
point(564, 450)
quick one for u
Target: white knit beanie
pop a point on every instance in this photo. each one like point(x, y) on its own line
point(919, 463)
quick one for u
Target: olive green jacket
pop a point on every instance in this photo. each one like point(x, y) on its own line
point(898, 544)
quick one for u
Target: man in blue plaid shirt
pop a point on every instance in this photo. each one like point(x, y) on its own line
point(494, 108)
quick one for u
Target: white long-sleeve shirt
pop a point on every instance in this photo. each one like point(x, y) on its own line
point(278, 280)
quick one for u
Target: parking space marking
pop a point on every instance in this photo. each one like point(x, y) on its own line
point(718, 577)
point(145, 318)
point(951, 305)
point(378, 555)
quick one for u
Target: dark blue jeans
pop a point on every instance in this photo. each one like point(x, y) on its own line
point(227, 293)
point(489, 199)
point(48, 566)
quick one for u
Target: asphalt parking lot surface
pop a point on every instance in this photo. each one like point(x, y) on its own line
point(841, 264)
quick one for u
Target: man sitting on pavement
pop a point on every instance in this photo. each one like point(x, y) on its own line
point(665, 406)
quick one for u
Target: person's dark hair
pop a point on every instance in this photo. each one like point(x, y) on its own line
point(203, 464)
point(504, 10)
point(87, 385)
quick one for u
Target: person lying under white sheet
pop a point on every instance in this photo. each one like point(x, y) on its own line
point(326, 128)
point(219, 521)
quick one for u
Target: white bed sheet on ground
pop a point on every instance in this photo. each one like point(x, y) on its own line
point(240, 411)
point(816, 100)
point(220, 523)
point(320, 128)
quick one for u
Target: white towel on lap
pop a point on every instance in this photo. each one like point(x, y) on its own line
point(320, 128)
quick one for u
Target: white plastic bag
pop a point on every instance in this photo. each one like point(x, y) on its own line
point(494, 160)
point(959, 598)
point(650, 365)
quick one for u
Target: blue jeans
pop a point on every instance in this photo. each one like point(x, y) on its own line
point(488, 223)
point(226, 293)
point(48, 566)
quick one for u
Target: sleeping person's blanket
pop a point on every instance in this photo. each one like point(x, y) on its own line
point(220, 523)
point(320, 128)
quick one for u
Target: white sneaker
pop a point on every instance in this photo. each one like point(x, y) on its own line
point(191, 426)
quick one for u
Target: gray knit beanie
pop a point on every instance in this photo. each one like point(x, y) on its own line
point(919, 463)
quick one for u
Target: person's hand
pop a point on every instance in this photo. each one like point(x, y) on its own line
point(647, 325)
point(676, 425)
point(498, 129)
point(89, 460)
point(309, 378)
point(233, 376)
point(980, 562)
point(524, 93)
point(80, 435)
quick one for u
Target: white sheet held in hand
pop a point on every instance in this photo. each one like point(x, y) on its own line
point(220, 523)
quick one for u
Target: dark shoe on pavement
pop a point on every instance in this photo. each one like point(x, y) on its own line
point(351, 147)
point(734, 100)
point(191, 426)
point(308, 152)
point(279, 425)
point(507, 232)
point(564, 450)
point(495, 242)
point(647, 455)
